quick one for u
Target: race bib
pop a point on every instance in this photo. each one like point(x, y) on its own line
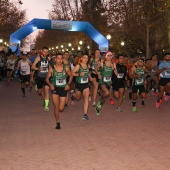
point(139, 81)
point(84, 80)
point(23, 72)
point(120, 75)
point(154, 70)
point(167, 73)
point(61, 81)
point(107, 78)
point(45, 70)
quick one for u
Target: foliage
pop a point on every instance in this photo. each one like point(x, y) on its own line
point(11, 19)
point(125, 20)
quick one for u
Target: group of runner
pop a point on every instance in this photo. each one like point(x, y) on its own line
point(104, 75)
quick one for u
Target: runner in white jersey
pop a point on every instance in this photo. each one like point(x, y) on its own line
point(10, 67)
point(24, 67)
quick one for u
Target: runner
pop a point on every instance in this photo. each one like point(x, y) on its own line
point(152, 77)
point(41, 64)
point(106, 69)
point(118, 81)
point(137, 73)
point(164, 82)
point(59, 86)
point(24, 66)
point(93, 63)
point(10, 67)
point(81, 72)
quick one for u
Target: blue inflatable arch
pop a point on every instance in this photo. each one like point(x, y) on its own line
point(81, 26)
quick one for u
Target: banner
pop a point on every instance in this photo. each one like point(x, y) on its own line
point(64, 25)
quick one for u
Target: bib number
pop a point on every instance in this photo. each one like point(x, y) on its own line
point(45, 70)
point(84, 80)
point(120, 75)
point(167, 73)
point(107, 78)
point(23, 72)
point(139, 81)
point(61, 81)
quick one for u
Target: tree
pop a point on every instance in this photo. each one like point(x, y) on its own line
point(11, 19)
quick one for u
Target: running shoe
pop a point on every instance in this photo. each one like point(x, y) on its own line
point(118, 109)
point(46, 109)
point(97, 111)
point(85, 117)
point(111, 102)
point(155, 94)
point(166, 97)
point(134, 109)
point(58, 126)
point(94, 103)
point(157, 105)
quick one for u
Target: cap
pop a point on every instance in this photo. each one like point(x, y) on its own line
point(108, 53)
point(24, 53)
point(53, 56)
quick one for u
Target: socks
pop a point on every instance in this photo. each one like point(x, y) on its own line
point(46, 103)
point(134, 103)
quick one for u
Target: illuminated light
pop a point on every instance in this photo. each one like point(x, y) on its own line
point(80, 42)
point(63, 50)
point(56, 47)
point(34, 28)
point(78, 48)
point(72, 48)
point(108, 37)
point(62, 46)
point(69, 44)
point(88, 47)
point(122, 43)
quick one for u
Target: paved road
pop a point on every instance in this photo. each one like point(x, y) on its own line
point(114, 141)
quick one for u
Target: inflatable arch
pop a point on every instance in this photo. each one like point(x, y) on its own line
point(81, 26)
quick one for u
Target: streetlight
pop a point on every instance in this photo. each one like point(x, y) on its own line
point(108, 36)
point(56, 47)
point(79, 48)
point(62, 46)
point(80, 42)
point(1, 41)
point(122, 43)
point(88, 47)
point(73, 49)
point(69, 44)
